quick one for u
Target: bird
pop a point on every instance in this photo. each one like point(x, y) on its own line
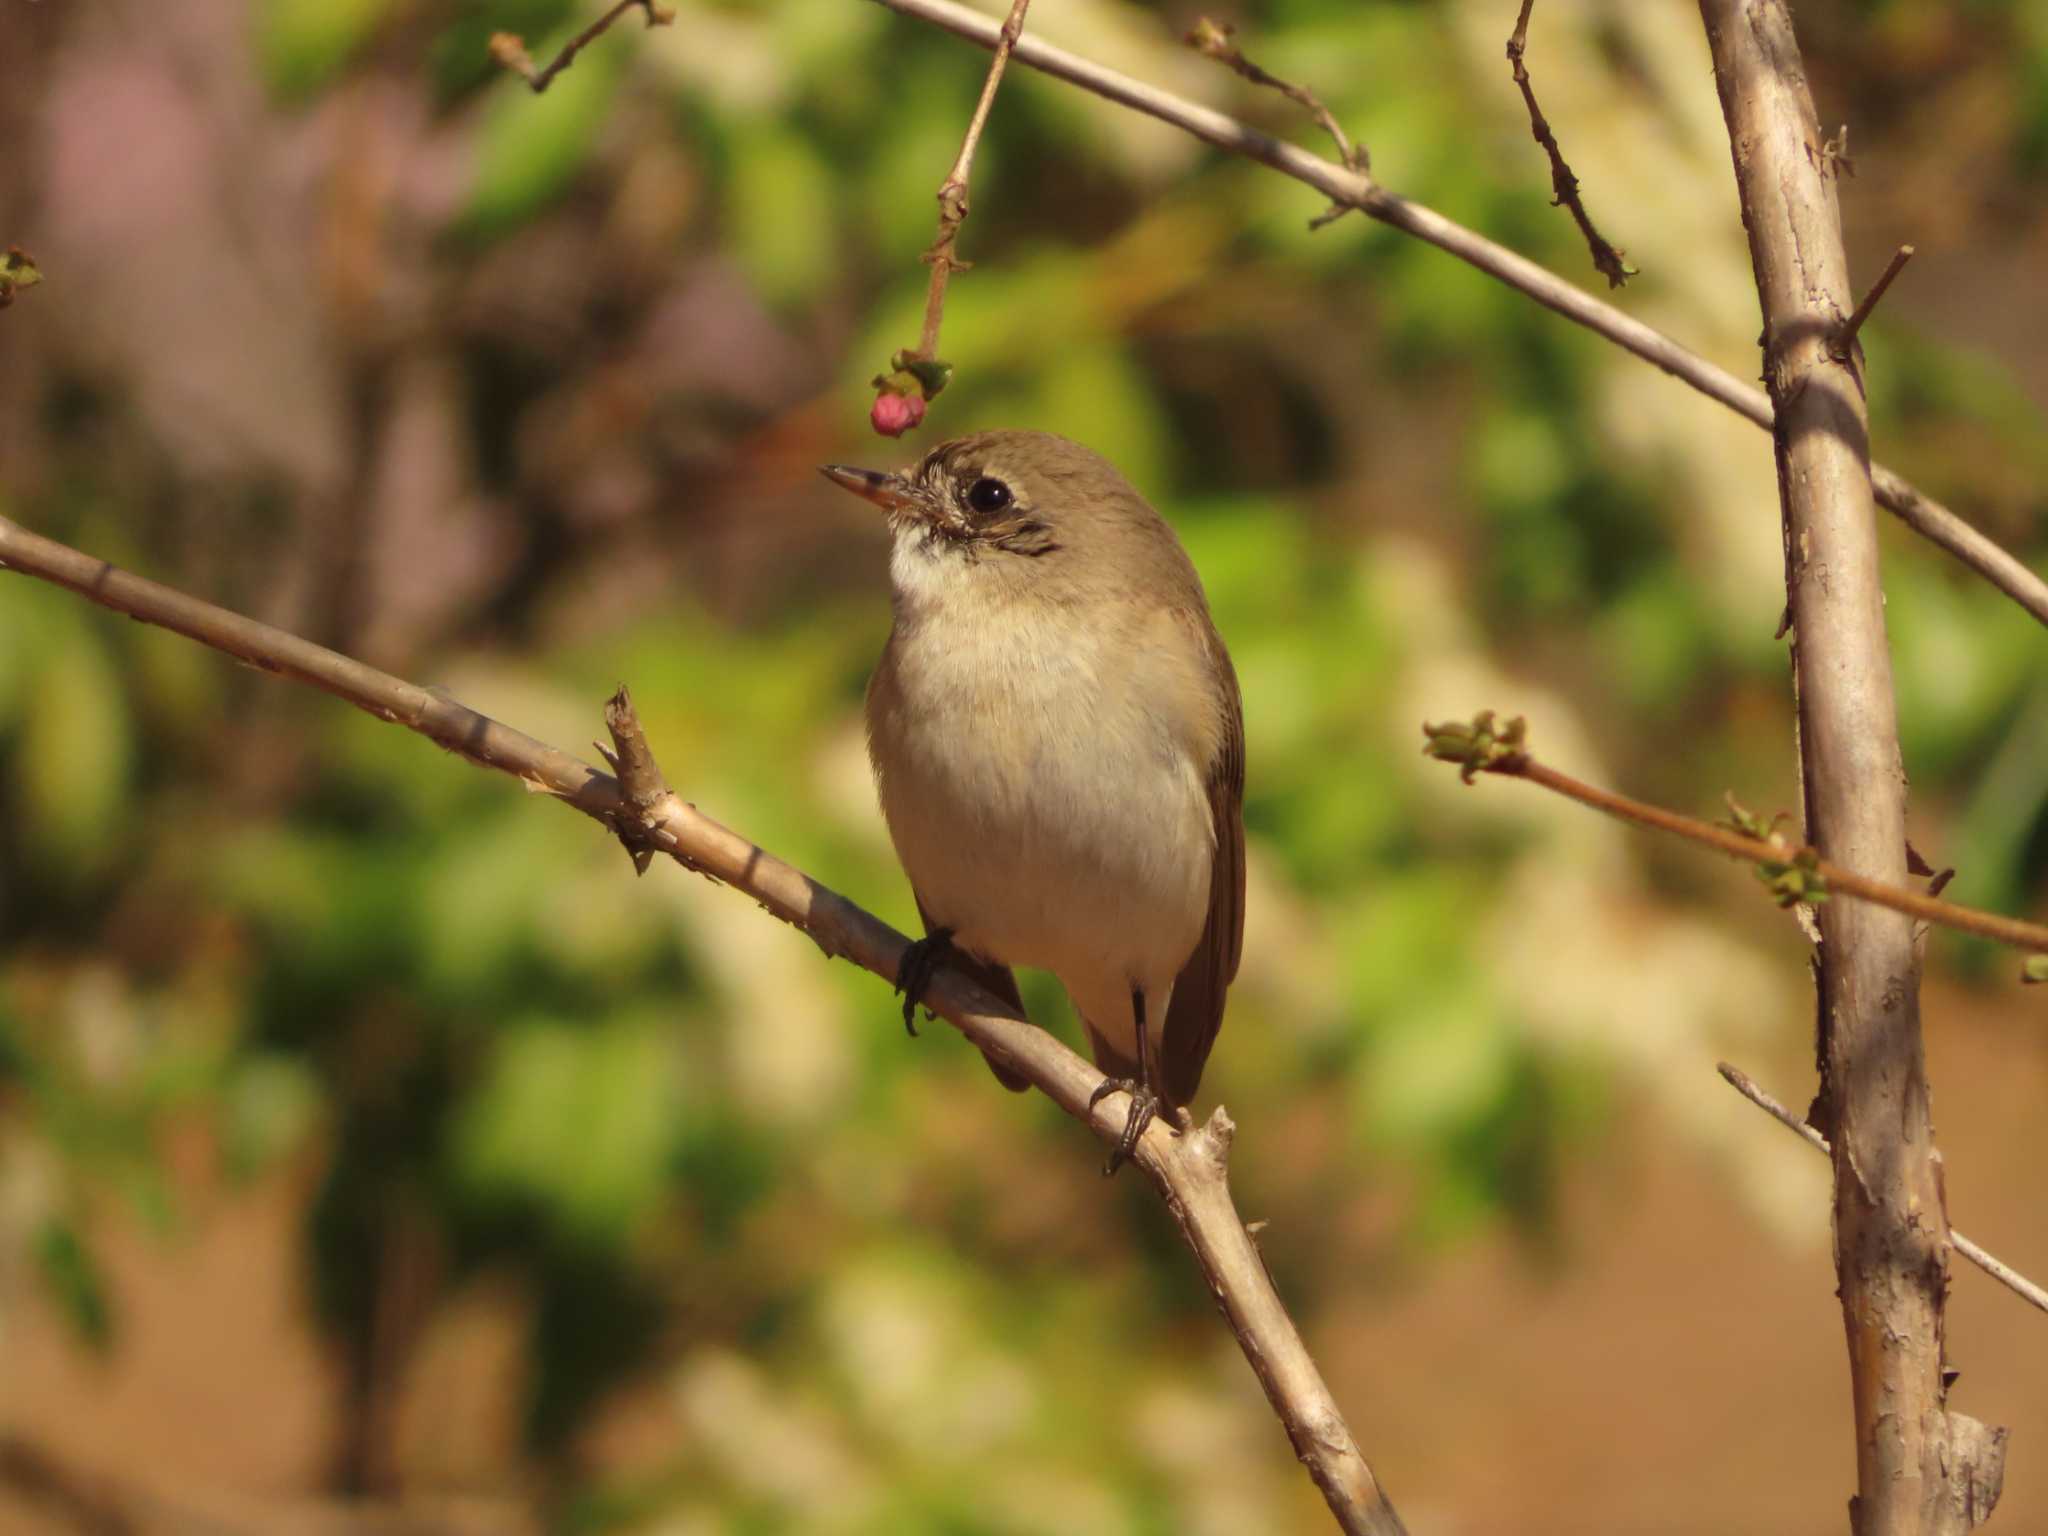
point(1057, 739)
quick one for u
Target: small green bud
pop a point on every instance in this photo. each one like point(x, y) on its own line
point(1477, 747)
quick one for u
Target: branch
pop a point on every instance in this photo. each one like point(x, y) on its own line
point(916, 375)
point(1340, 184)
point(508, 49)
point(1919, 1467)
point(1796, 874)
point(1606, 259)
point(1213, 39)
point(1190, 1170)
point(1996, 1268)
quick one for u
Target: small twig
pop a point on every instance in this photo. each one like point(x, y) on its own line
point(1797, 870)
point(952, 192)
point(508, 49)
point(1996, 1268)
point(1925, 516)
point(1606, 258)
point(1845, 339)
point(1213, 40)
point(1190, 1169)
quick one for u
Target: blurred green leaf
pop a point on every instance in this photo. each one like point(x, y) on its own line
point(76, 751)
point(271, 1102)
point(74, 1280)
point(529, 148)
point(301, 44)
point(580, 1124)
point(782, 205)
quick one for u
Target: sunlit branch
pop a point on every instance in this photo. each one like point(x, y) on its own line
point(1190, 1170)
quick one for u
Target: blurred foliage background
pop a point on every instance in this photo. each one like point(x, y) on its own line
point(372, 1145)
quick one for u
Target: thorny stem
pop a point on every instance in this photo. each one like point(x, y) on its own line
point(953, 190)
point(1995, 1267)
point(509, 51)
point(1514, 762)
point(1606, 259)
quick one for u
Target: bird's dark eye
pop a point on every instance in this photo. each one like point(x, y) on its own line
point(988, 495)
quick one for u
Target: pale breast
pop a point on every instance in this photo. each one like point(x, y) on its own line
point(1045, 796)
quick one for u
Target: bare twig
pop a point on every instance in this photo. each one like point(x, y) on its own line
point(1996, 1268)
point(1921, 513)
point(1190, 1171)
point(1606, 259)
point(953, 190)
point(1845, 342)
point(1213, 39)
point(1920, 1468)
point(508, 49)
point(1481, 747)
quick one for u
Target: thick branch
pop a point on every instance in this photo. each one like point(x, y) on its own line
point(1919, 1467)
point(1189, 1170)
point(1921, 513)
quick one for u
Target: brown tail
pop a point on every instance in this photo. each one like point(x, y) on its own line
point(1000, 981)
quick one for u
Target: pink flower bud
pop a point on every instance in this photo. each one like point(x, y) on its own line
point(894, 414)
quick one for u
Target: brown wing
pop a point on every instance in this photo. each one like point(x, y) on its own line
point(1196, 1012)
point(999, 981)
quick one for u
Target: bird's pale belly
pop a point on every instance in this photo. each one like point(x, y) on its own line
point(1069, 854)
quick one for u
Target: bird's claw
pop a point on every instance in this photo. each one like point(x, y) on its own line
point(921, 961)
point(1145, 1107)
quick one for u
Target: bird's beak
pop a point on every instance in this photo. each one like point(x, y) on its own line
point(892, 493)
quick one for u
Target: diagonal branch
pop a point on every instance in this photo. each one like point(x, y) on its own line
point(1213, 40)
point(1924, 515)
point(1920, 1468)
point(1996, 1268)
point(1190, 1171)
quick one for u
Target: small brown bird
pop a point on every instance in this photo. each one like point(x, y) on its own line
point(1059, 746)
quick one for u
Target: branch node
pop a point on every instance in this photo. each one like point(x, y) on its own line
point(1211, 1144)
point(639, 775)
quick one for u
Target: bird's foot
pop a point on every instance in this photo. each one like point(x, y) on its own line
point(1146, 1106)
point(915, 970)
